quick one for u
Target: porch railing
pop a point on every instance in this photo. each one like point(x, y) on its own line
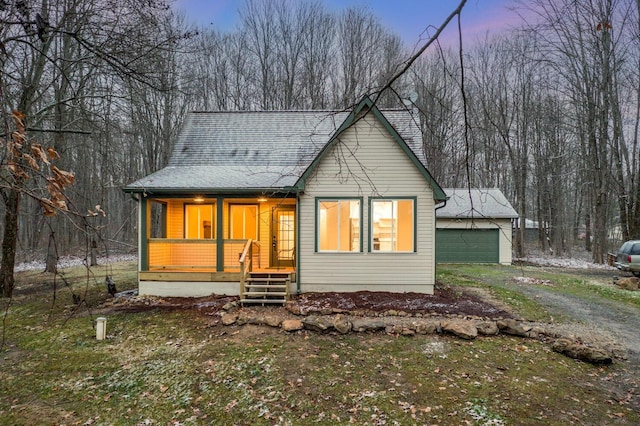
point(246, 266)
point(183, 254)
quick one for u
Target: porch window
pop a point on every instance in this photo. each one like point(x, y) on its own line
point(243, 222)
point(392, 225)
point(198, 221)
point(338, 225)
point(157, 219)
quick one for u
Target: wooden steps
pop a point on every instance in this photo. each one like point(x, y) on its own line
point(266, 287)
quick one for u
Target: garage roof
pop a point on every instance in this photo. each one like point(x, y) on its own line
point(477, 203)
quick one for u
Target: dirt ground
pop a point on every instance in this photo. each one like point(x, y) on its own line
point(444, 301)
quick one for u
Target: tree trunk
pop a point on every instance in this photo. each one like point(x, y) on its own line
point(587, 233)
point(12, 202)
point(93, 258)
point(51, 265)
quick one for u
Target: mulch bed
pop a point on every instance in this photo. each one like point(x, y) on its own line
point(444, 301)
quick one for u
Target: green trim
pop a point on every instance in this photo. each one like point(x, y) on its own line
point(219, 235)
point(316, 227)
point(143, 231)
point(415, 222)
point(366, 106)
point(297, 248)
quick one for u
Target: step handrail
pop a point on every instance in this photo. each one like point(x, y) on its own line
point(245, 263)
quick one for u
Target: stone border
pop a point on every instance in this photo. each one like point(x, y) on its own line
point(463, 328)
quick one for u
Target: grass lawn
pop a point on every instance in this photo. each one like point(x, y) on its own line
point(177, 368)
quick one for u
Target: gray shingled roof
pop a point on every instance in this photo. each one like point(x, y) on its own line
point(483, 203)
point(252, 151)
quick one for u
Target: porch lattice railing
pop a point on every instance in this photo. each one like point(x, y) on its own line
point(183, 254)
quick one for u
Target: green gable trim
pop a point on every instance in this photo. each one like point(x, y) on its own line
point(366, 105)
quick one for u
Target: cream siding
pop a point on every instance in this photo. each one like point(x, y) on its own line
point(367, 162)
point(504, 226)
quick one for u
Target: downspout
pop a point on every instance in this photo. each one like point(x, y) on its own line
point(435, 248)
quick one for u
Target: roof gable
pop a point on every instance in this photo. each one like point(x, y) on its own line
point(366, 106)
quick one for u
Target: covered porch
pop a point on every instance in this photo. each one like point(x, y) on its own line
point(202, 244)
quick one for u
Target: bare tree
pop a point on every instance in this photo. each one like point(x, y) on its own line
point(52, 52)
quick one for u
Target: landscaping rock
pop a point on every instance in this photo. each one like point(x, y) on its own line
point(293, 307)
point(292, 325)
point(362, 324)
point(228, 319)
point(461, 328)
point(230, 306)
point(627, 283)
point(579, 351)
point(513, 327)
point(487, 328)
point(341, 324)
point(427, 326)
point(272, 321)
point(317, 323)
point(244, 318)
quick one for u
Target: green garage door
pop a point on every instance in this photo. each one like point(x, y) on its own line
point(467, 246)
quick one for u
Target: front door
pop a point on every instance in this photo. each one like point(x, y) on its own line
point(283, 237)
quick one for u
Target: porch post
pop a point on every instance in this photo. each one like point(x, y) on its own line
point(219, 239)
point(143, 233)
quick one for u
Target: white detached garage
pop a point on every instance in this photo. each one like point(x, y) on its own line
point(475, 226)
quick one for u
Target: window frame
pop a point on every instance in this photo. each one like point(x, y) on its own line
point(317, 223)
point(414, 233)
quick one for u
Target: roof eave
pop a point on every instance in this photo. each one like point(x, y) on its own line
point(477, 216)
point(211, 191)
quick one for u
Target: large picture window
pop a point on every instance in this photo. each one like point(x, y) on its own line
point(392, 225)
point(198, 221)
point(338, 225)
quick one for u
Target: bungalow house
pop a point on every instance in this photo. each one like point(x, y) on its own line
point(289, 201)
point(475, 226)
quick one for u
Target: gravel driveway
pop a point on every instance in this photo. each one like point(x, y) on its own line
point(593, 314)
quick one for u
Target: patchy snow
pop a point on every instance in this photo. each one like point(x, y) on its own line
point(531, 280)
point(70, 261)
point(578, 261)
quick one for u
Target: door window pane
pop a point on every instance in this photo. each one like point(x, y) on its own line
point(286, 235)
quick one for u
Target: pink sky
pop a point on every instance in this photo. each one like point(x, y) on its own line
point(408, 18)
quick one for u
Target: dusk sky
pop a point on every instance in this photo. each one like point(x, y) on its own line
point(408, 18)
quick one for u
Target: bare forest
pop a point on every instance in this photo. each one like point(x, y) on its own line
point(93, 94)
